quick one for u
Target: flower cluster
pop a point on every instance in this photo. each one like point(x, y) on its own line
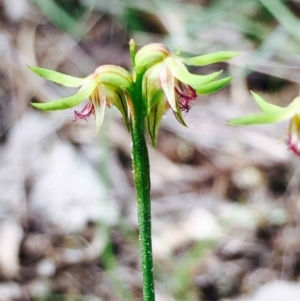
point(166, 83)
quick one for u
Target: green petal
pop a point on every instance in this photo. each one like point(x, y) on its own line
point(210, 58)
point(154, 119)
point(99, 101)
point(265, 106)
point(167, 82)
point(68, 102)
point(179, 70)
point(58, 77)
point(178, 114)
point(213, 86)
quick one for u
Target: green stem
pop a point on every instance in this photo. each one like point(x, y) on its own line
point(141, 171)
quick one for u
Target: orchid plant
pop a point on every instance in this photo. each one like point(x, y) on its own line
point(159, 81)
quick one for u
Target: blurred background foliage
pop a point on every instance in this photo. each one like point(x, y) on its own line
point(75, 37)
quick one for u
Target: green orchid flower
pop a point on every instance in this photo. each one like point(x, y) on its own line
point(274, 114)
point(167, 83)
point(105, 87)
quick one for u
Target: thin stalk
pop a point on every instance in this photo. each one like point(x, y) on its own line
point(141, 172)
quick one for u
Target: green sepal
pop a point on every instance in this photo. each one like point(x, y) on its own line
point(154, 119)
point(179, 71)
point(150, 55)
point(260, 118)
point(68, 102)
point(119, 99)
point(114, 76)
point(151, 86)
point(157, 96)
point(155, 100)
point(207, 59)
point(265, 106)
point(57, 77)
point(213, 86)
point(277, 114)
point(268, 117)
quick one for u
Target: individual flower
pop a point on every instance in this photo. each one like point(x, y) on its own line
point(274, 114)
point(105, 87)
point(167, 83)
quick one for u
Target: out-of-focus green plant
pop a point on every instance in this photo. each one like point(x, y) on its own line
point(274, 114)
point(159, 80)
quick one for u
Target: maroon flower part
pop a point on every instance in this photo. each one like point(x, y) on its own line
point(187, 95)
point(85, 113)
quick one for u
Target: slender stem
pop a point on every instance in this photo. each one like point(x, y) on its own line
point(142, 183)
point(141, 171)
